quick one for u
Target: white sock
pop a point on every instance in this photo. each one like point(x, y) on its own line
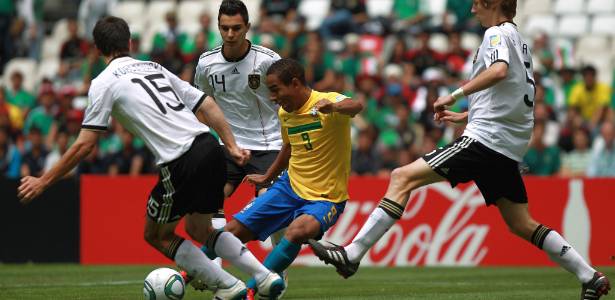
point(196, 263)
point(561, 252)
point(229, 247)
point(374, 228)
point(218, 223)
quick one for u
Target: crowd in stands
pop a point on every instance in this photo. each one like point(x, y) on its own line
point(388, 63)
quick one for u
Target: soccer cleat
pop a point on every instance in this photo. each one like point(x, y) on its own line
point(270, 287)
point(595, 288)
point(237, 291)
point(335, 255)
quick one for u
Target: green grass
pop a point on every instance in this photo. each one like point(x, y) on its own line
point(50, 281)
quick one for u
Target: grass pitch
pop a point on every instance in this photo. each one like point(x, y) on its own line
point(69, 281)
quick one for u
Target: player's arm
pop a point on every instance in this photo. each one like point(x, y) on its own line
point(214, 117)
point(31, 187)
point(279, 164)
point(345, 107)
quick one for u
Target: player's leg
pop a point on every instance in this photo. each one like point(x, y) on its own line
point(451, 163)
point(519, 221)
point(186, 255)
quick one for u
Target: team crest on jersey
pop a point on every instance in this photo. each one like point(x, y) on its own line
point(495, 40)
point(254, 81)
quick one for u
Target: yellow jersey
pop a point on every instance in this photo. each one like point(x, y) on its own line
point(319, 164)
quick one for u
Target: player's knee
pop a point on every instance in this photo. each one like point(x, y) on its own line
point(239, 230)
point(198, 233)
point(299, 233)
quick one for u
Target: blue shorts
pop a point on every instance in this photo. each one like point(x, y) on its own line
point(280, 205)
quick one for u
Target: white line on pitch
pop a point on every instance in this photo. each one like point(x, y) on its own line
point(84, 284)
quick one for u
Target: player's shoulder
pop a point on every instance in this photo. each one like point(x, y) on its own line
point(332, 96)
point(211, 54)
point(265, 51)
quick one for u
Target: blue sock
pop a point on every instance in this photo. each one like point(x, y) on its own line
point(279, 259)
point(210, 253)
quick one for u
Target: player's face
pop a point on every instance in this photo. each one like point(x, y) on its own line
point(280, 94)
point(232, 29)
point(479, 10)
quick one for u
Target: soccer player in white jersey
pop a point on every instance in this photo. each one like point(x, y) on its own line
point(500, 119)
point(158, 107)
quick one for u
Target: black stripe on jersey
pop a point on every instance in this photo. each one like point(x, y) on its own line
point(501, 60)
point(94, 127)
point(270, 54)
point(198, 104)
point(206, 54)
point(511, 22)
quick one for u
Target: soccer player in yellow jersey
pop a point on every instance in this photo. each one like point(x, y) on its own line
point(308, 198)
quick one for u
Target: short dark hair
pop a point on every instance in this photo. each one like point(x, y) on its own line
point(111, 36)
point(233, 7)
point(588, 69)
point(286, 69)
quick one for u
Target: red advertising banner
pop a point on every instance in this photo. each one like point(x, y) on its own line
point(440, 226)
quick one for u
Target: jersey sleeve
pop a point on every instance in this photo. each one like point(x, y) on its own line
point(98, 111)
point(264, 66)
point(337, 97)
point(200, 79)
point(283, 128)
point(496, 47)
point(189, 95)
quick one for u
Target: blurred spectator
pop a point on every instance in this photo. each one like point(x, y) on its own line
point(591, 97)
point(456, 57)
point(42, 116)
point(7, 14)
point(14, 115)
point(318, 63)
point(567, 81)
point(171, 58)
point(128, 160)
point(92, 164)
point(542, 114)
point(458, 17)
point(10, 158)
point(576, 162)
point(170, 34)
point(135, 48)
point(33, 160)
point(74, 48)
point(364, 157)
point(541, 159)
point(344, 17)
point(602, 163)
point(572, 122)
point(32, 12)
point(410, 16)
point(17, 43)
point(423, 56)
point(279, 11)
point(59, 149)
point(90, 68)
point(16, 94)
point(92, 10)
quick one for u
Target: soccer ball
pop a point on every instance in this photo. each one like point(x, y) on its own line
point(163, 284)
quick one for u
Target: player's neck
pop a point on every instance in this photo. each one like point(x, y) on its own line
point(110, 58)
point(236, 53)
point(496, 20)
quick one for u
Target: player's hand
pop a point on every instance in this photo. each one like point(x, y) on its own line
point(257, 179)
point(30, 188)
point(451, 116)
point(240, 156)
point(324, 106)
point(442, 103)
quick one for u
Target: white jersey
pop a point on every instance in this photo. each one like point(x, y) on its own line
point(501, 117)
point(150, 102)
point(240, 91)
